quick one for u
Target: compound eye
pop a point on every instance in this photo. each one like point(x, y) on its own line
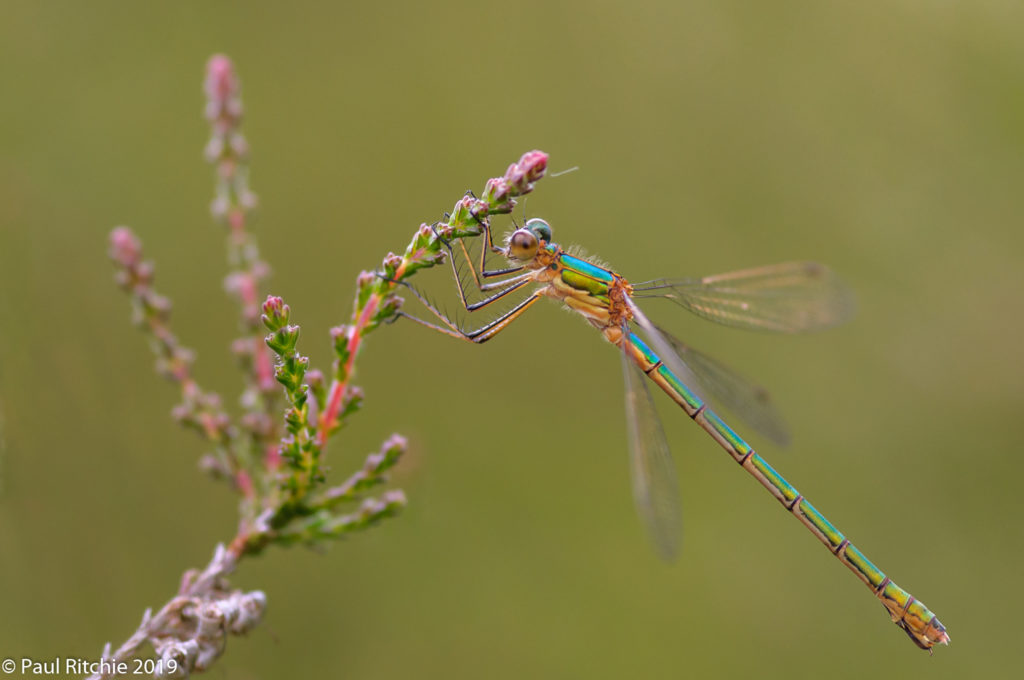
point(540, 228)
point(522, 245)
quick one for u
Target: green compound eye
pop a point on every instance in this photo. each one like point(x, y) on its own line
point(523, 245)
point(540, 228)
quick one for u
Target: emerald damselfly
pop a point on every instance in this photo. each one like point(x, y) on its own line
point(789, 298)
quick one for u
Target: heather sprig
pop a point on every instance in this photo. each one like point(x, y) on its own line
point(200, 410)
point(233, 206)
point(366, 478)
point(275, 460)
point(376, 301)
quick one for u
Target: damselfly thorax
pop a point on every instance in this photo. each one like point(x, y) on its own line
point(596, 293)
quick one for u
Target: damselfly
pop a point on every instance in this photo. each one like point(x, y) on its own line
point(789, 298)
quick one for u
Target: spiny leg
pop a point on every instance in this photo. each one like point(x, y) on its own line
point(512, 285)
point(479, 335)
point(494, 249)
point(481, 286)
point(488, 331)
point(504, 287)
point(476, 274)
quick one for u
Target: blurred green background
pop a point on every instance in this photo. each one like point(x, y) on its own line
point(886, 139)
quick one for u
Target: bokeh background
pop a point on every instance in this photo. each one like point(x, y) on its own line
point(886, 139)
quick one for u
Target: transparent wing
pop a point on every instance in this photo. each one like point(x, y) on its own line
point(665, 352)
point(791, 297)
point(749, 401)
point(654, 478)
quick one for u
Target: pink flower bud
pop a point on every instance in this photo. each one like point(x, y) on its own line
point(125, 248)
point(221, 82)
point(534, 164)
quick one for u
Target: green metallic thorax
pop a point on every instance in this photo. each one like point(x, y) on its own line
point(593, 291)
point(586, 277)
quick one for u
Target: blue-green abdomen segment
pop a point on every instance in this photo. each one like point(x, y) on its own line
point(646, 353)
point(911, 615)
point(651, 364)
point(740, 447)
point(821, 526)
point(871, 574)
point(778, 485)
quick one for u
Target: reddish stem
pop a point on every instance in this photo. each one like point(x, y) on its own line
point(329, 417)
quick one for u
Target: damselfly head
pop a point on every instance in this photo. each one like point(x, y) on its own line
point(522, 245)
point(524, 242)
